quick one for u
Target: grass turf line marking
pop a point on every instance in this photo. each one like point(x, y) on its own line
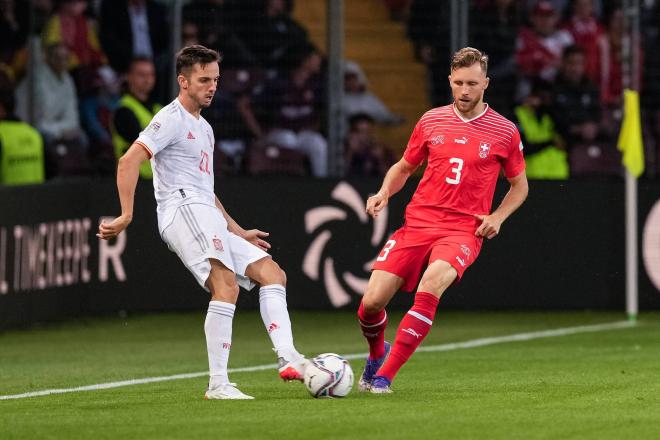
point(518, 337)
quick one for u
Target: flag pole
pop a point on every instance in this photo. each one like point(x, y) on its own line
point(630, 75)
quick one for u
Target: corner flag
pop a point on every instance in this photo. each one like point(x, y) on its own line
point(630, 138)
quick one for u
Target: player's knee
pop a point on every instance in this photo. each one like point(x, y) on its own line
point(372, 305)
point(227, 293)
point(436, 285)
point(275, 274)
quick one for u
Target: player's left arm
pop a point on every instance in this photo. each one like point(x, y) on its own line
point(490, 224)
point(254, 236)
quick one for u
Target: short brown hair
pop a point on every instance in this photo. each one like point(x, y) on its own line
point(195, 54)
point(468, 56)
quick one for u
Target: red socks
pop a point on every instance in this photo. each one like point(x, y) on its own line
point(373, 328)
point(414, 326)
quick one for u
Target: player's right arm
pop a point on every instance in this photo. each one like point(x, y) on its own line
point(128, 171)
point(394, 180)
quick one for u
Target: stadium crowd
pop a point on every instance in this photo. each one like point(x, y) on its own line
point(88, 75)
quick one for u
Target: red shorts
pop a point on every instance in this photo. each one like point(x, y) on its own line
point(410, 250)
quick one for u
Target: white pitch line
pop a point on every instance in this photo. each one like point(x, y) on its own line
point(443, 347)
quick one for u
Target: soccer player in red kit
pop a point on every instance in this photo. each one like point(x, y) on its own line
point(466, 144)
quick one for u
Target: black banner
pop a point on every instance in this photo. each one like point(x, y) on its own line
point(564, 249)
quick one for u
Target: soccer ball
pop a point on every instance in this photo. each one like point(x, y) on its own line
point(328, 375)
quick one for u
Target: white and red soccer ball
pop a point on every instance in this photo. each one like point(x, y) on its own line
point(328, 375)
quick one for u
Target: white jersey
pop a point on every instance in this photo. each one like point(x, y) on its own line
point(181, 150)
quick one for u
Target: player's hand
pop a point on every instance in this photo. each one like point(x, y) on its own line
point(490, 225)
point(376, 203)
point(112, 229)
point(255, 236)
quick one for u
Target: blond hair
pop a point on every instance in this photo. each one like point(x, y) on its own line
point(467, 57)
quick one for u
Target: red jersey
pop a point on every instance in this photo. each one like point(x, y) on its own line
point(464, 162)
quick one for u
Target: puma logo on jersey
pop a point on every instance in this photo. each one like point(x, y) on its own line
point(190, 135)
point(462, 140)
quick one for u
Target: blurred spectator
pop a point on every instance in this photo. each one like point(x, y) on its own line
point(96, 109)
point(71, 27)
point(55, 107)
point(545, 156)
point(429, 29)
point(189, 34)
point(494, 30)
point(539, 47)
point(135, 109)
point(588, 34)
point(233, 116)
point(365, 156)
point(137, 28)
point(611, 74)
point(133, 28)
point(21, 148)
point(217, 23)
point(292, 106)
point(358, 99)
point(272, 35)
point(14, 23)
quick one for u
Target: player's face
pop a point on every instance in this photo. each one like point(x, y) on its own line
point(201, 83)
point(467, 87)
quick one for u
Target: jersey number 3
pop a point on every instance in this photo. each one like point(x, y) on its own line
point(456, 170)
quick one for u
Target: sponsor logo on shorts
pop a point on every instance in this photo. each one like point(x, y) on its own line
point(412, 331)
point(217, 244)
point(484, 149)
point(226, 346)
point(460, 261)
point(466, 250)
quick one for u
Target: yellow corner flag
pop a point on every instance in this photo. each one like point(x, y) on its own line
point(630, 138)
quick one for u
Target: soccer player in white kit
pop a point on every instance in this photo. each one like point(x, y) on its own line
point(194, 224)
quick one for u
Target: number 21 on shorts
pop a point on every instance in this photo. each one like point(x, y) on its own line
point(386, 250)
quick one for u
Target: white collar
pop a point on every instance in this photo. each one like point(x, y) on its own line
point(453, 106)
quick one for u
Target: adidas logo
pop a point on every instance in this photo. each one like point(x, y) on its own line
point(190, 135)
point(272, 327)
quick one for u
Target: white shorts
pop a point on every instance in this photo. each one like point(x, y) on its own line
point(199, 232)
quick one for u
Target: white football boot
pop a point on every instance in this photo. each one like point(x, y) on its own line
point(225, 391)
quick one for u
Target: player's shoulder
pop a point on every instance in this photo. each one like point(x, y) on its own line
point(437, 115)
point(172, 112)
point(494, 118)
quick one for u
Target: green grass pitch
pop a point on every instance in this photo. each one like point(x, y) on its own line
point(600, 385)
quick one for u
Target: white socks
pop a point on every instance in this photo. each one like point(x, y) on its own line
point(218, 339)
point(272, 305)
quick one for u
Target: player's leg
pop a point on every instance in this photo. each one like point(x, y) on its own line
point(275, 315)
point(416, 324)
point(373, 321)
point(218, 329)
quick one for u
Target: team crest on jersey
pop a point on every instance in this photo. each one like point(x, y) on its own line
point(484, 149)
point(438, 140)
point(217, 244)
